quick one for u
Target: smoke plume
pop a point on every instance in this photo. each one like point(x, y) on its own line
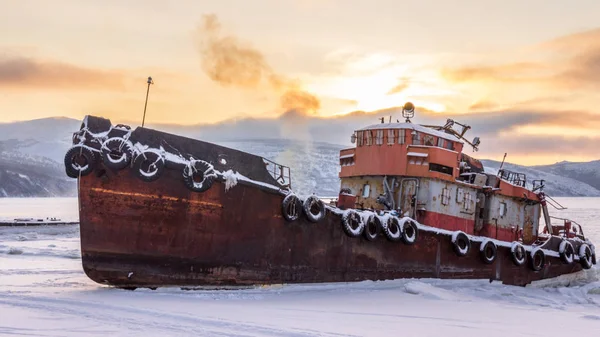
point(231, 62)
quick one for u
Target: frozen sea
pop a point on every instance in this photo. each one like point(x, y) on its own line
point(44, 292)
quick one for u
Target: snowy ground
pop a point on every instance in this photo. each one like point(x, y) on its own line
point(43, 292)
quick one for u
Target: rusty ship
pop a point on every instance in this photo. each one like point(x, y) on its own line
point(158, 209)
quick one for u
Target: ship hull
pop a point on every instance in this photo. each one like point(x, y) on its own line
point(142, 232)
point(139, 234)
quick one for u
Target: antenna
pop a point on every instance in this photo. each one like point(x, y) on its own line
point(146, 104)
point(502, 164)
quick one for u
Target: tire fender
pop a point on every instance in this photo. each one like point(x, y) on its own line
point(585, 256)
point(488, 251)
point(291, 207)
point(518, 254)
point(199, 175)
point(567, 252)
point(116, 153)
point(79, 161)
point(314, 208)
point(410, 232)
point(461, 243)
point(148, 166)
point(352, 223)
point(538, 259)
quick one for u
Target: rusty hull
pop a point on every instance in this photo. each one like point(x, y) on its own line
point(140, 234)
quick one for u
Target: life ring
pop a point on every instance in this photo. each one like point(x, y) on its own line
point(410, 232)
point(352, 223)
point(116, 153)
point(585, 256)
point(199, 175)
point(392, 229)
point(291, 207)
point(567, 252)
point(461, 243)
point(538, 259)
point(488, 251)
point(79, 161)
point(148, 166)
point(518, 254)
point(372, 228)
point(314, 208)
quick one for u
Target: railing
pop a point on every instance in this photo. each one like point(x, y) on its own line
point(562, 230)
point(280, 173)
point(515, 178)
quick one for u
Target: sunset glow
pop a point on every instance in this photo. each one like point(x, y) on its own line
point(72, 58)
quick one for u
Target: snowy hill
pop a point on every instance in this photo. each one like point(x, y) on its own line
point(24, 175)
point(314, 164)
point(556, 184)
point(588, 173)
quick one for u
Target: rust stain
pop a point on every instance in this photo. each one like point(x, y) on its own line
point(150, 196)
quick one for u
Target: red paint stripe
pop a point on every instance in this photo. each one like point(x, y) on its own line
point(445, 221)
point(454, 223)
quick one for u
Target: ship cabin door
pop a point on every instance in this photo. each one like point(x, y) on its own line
point(407, 196)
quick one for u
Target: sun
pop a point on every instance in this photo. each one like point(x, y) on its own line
point(374, 91)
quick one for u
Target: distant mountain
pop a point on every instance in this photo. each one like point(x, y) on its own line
point(588, 172)
point(314, 165)
point(36, 149)
point(46, 137)
point(556, 184)
point(23, 175)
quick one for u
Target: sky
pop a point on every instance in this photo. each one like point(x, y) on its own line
point(527, 74)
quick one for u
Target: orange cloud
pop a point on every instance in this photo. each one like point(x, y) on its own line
point(569, 62)
point(25, 73)
point(402, 85)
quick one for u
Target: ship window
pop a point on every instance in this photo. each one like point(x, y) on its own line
point(359, 138)
point(502, 209)
point(391, 136)
point(379, 138)
point(440, 142)
point(460, 195)
point(366, 191)
point(401, 136)
point(445, 196)
point(416, 138)
point(369, 137)
point(449, 145)
point(441, 168)
point(467, 203)
point(428, 140)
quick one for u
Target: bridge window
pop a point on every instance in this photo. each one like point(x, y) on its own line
point(416, 138)
point(379, 137)
point(359, 138)
point(449, 145)
point(391, 136)
point(440, 142)
point(428, 140)
point(369, 137)
point(401, 136)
